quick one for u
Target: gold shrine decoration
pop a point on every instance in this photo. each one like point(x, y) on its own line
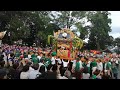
point(2, 34)
point(63, 45)
point(62, 53)
point(68, 31)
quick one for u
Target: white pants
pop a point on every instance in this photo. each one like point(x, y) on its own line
point(94, 69)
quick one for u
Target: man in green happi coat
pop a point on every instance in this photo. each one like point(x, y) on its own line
point(25, 55)
point(47, 61)
point(93, 65)
point(54, 54)
point(17, 54)
point(77, 67)
point(35, 60)
point(114, 70)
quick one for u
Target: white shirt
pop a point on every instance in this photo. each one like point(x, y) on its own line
point(116, 61)
point(88, 65)
point(52, 60)
point(86, 76)
point(106, 64)
point(29, 56)
point(65, 64)
point(99, 77)
point(5, 57)
point(59, 61)
point(80, 64)
point(30, 69)
point(40, 64)
point(74, 63)
point(8, 56)
point(24, 75)
point(33, 74)
point(112, 60)
point(39, 57)
point(100, 66)
point(61, 77)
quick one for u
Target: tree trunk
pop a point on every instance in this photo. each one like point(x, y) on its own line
point(98, 45)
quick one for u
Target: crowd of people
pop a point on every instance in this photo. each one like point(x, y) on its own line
point(22, 62)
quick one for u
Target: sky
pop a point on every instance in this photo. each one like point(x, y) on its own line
point(115, 26)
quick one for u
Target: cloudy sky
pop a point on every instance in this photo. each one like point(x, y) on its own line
point(115, 16)
point(115, 26)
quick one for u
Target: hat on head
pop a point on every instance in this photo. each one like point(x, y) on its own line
point(54, 54)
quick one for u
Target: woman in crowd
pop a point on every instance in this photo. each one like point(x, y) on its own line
point(25, 74)
point(33, 73)
point(14, 73)
point(43, 73)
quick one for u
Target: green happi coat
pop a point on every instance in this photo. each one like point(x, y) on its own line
point(17, 54)
point(44, 58)
point(47, 62)
point(54, 54)
point(25, 55)
point(35, 60)
point(94, 64)
point(77, 67)
point(114, 69)
point(88, 65)
point(94, 76)
point(84, 64)
point(108, 66)
point(33, 55)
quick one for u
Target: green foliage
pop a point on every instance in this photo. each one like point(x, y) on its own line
point(77, 43)
point(47, 22)
point(18, 24)
point(71, 18)
point(99, 30)
point(116, 42)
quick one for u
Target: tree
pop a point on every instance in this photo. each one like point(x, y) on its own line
point(99, 30)
point(18, 23)
point(11, 21)
point(69, 19)
point(117, 42)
